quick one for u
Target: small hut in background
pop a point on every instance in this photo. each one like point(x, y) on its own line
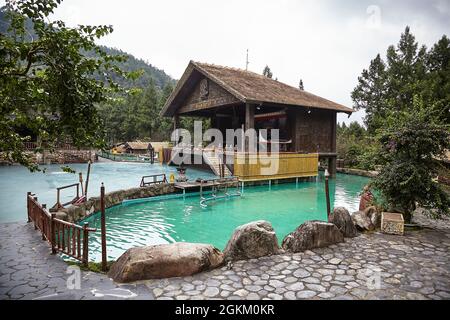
point(138, 147)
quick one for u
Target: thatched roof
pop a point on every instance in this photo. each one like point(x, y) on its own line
point(137, 145)
point(250, 87)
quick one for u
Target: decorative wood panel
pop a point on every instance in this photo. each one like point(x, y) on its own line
point(207, 94)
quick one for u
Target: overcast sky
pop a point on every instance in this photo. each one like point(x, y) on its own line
point(326, 43)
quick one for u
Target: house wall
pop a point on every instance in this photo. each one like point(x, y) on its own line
point(314, 131)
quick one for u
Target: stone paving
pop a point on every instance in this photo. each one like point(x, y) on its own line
point(370, 266)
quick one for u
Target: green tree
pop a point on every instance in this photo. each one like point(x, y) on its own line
point(390, 86)
point(436, 89)
point(370, 93)
point(267, 72)
point(411, 142)
point(47, 85)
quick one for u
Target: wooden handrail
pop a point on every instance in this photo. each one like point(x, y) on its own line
point(63, 236)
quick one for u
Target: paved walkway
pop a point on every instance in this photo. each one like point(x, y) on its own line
point(370, 266)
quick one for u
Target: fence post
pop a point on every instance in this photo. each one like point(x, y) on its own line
point(34, 205)
point(28, 205)
point(43, 227)
point(85, 258)
point(52, 232)
point(327, 193)
point(103, 223)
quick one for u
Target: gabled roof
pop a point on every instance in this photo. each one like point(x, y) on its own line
point(249, 87)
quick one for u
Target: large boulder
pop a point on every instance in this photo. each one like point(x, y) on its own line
point(312, 234)
point(166, 260)
point(252, 240)
point(362, 221)
point(342, 219)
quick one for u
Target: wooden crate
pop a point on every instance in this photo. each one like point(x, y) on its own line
point(392, 223)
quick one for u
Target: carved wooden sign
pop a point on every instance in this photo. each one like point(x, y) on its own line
point(204, 89)
point(210, 103)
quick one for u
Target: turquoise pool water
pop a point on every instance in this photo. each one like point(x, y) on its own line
point(286, 206)
point(15, 181)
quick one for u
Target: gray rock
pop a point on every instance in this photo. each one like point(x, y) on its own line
point(312, 234)
point(362, 221)
point(374, 216)
point(164, 261)
point(252, 240)
point(342, 219)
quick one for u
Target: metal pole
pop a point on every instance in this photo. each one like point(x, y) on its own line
point(327, 193)
point(103, 225)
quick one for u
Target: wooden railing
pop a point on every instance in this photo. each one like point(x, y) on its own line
point(68, 238)
point(156, 179)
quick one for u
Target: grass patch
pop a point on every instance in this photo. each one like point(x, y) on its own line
point(92, 266)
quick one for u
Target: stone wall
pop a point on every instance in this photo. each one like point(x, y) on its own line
point(358, 172)
point(75, 213)
point(65, 156)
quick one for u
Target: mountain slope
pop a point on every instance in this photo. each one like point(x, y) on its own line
point(159, 77)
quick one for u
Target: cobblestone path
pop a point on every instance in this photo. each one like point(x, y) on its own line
point(370, 266)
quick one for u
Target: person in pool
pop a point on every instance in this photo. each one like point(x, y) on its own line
point(366, 198)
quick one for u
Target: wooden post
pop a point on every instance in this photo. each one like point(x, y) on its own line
point(28, 205)
point(87, 179)
point(327, 194)
point(85, 258)
point(103, 225)
point(176, 124)
point(44, 206)
point(52, 232)
point(249, 122)
point(80, 176)
point(34, 220)
point(332, 166)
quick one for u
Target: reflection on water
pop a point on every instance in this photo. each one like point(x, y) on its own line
point(286, 206)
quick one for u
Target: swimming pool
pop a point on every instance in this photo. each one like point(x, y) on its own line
point(15, 181)
point(164, 220)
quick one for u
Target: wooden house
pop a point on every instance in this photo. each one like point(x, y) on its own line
point(234, 98)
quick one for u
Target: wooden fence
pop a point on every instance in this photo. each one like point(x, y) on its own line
point(65, 237)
